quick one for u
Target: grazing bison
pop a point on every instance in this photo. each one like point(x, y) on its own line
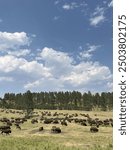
point(34, 121)
point(92, 122)
point(93, 129)
point(55, 129)
point(6, 131)
point(4, 127)
point(40, 129)
point(83, 123)
point(106, 122)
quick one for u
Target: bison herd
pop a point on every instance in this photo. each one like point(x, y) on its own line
point(47, 117)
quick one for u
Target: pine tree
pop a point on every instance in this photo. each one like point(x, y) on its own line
point(29, 105)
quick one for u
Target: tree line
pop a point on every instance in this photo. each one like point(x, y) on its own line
point(58, 100)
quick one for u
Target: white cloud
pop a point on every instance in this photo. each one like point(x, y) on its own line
point(32, 84)
point(21, 52)
point(74, 5)
point(13, 40)
point(96, 20)
point(83, 77)
point(98, 11)
point(55, 70)
point(67, 7)
point(47, 84)
point(52, 56)
point(110, 4)
point(58, 62)
point(66, 75)
point(97, 16)
point(89, 73)
point(70, 6)
point(10, 63)
point(87, 54)
point(36, 68)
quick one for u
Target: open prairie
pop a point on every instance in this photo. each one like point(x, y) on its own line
point(28, 134)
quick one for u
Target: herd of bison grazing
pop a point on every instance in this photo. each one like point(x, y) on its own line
point(59, 123)
point(53, 119)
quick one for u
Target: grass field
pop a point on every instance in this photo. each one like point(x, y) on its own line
point(73, 137)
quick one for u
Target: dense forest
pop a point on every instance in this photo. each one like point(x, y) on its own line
point(58, 100)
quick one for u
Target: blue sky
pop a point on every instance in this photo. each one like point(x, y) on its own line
point(49, 45)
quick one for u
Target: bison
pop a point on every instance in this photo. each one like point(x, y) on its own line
point(55, 129)
point(33, 121)
point(6, 131)
point(93, 129)
point(83, 123)
point(40, 129)
point(4, 127)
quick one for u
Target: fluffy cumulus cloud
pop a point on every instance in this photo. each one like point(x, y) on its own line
point(11, 64)
point(13, 40)
point(56, 58)
point(50, 70)
point(36, 69)
point(87, 74)
point(68, 75)
point(97, 16)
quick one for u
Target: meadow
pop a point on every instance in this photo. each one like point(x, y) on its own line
point(74, 136)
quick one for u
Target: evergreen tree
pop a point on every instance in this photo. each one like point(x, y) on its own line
point(29, 105)
point(87, 101)
point(103, 101)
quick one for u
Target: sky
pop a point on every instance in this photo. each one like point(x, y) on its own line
point(56, 45)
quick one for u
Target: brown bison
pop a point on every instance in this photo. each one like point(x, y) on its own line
point(40, 129)
point(6, 131)
point(55, 129)
point(93, 129)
